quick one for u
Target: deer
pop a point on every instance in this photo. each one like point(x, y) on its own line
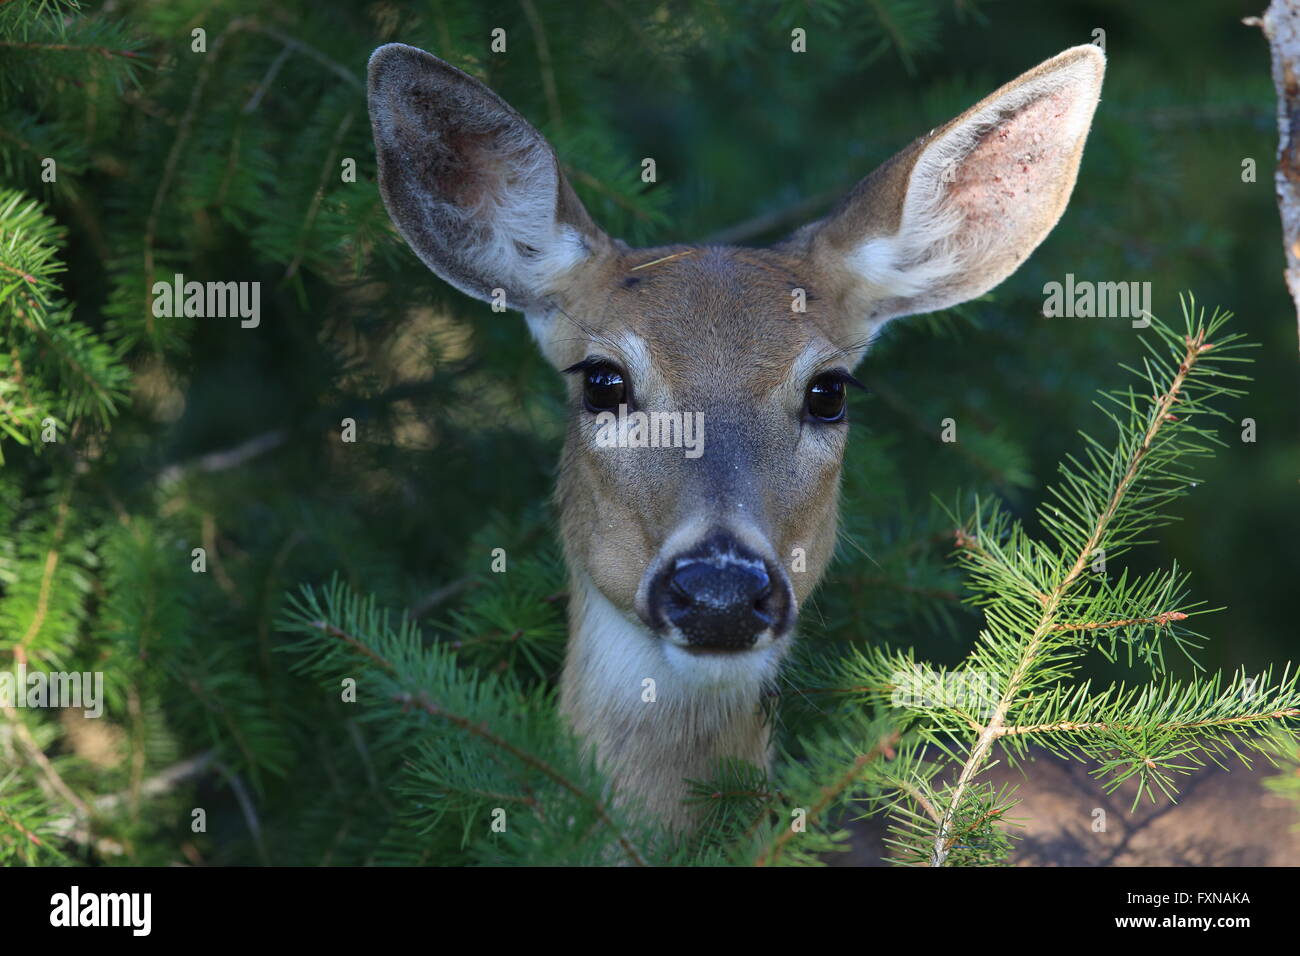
point(687, 573)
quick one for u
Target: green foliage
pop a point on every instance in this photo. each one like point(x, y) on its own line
point(182, 434)
point(1047, 601)
point(472, 746)
point(55, 369)
point(28, 831)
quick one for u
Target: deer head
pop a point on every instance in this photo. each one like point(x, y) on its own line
point(689, 560)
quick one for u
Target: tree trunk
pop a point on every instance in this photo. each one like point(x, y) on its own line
point(1281, 25)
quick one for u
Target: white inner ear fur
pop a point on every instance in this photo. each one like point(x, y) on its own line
point(512, 232)
point(1001, 193)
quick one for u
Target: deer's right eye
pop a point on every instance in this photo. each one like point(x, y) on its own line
point(604, 389)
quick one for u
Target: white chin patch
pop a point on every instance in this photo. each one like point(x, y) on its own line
point(723, 670)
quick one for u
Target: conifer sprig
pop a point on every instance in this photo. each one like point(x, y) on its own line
point(492, 740)
point(1042, 608)
point(53, 368)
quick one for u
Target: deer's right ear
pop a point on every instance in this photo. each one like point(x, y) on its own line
point(473, 188)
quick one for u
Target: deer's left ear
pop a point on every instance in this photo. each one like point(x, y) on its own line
point(959, 210)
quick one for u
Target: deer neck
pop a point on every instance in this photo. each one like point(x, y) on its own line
point(651, 723)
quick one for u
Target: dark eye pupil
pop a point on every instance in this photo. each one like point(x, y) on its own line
point(604, 388)
point(826, 399)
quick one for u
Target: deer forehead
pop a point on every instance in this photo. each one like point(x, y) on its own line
point(697, 322)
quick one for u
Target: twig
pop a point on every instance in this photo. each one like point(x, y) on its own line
point(984, 817)
point(247, 807)
point(587, 179)
point(47, 575)
point(37, 756)
point(267, 441)
point(783, 216)
point(915, 793)
point(993, 729)
point(107, 52)
point(20, 828)
point(478, 730)
point(422, 702)
point(355, 644)
point(314, 206)
point(272, 71)
point(331, 64)
point(173, 158)
point(655, 262)
point(187, 121)
point(544, 60)
point(435, 597)
point(1160, 620)
point(225, 459)
point(882, 746)
point(163, 782)
point(208, 535)
point(1066, 726)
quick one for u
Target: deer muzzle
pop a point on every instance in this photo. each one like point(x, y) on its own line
point(719, 597)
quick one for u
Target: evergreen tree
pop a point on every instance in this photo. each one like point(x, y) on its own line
point(180, 510)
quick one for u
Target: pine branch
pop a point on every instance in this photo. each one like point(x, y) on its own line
point(423, 703)
point(1068, 726)
point(831, 794)
point(429, 681)
point(1160, 620)
point(38, 757)
point(1101, 513)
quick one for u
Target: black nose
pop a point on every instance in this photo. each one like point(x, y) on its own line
point(720, 596)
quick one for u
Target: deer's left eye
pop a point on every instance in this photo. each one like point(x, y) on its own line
point(826, 398)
